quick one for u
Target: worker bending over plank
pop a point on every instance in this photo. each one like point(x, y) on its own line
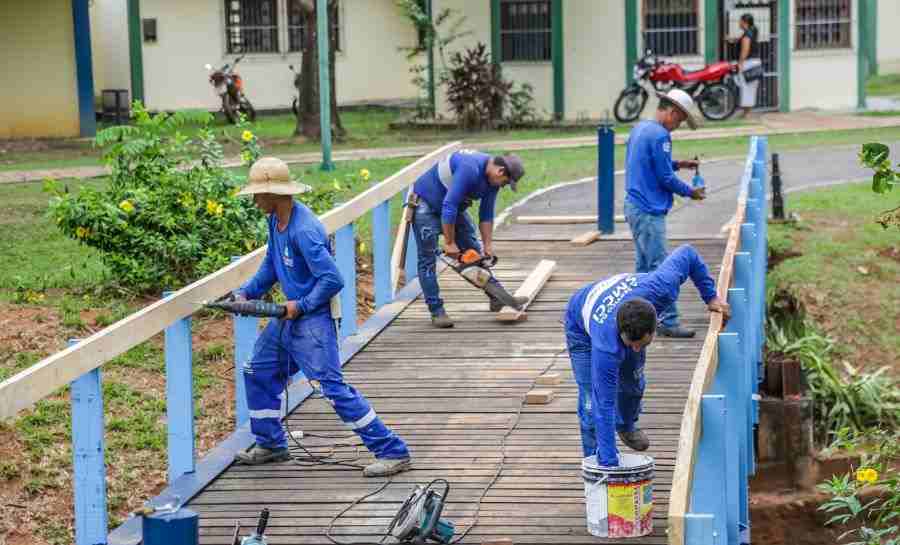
point(609, 325)
point(299, 258)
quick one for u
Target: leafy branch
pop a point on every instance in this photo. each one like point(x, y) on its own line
point(877, 157)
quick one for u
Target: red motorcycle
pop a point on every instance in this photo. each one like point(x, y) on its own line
point(713, 87)
point(229, 86)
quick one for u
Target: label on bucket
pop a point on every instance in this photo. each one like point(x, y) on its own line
point(630, 509)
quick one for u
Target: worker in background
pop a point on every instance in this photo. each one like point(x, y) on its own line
point(299, 259)
point(441, 197)
point(650, 182)
point(609, 325)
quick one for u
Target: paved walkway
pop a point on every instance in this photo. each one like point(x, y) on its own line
point(770, 123)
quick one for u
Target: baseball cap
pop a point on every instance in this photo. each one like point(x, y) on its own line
point(514, 167)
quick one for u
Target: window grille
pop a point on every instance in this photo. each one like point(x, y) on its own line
point(251, 26)
point(297, 32)
point(525, 30)
point(671, 27)
point(822, 24)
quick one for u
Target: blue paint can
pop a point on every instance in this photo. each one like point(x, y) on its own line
point(173, 528)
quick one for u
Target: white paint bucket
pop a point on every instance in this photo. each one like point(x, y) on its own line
point(619, 500)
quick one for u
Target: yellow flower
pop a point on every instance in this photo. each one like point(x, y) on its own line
point(127, 206)
point(219, 209)
point(365, 174)
point(868, 475)
point(81, 232)
point(247, 136)
point(362, 247)
point(211, 207)
point(246, 157)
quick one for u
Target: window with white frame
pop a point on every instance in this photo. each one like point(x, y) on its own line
point(525, 30)
point(822, 24)
point(671, 27)
point(251, 26)
point(297, 30)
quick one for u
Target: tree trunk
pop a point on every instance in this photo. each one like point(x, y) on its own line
point(308, 122)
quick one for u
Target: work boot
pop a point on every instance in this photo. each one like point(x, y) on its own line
point(497, 305)
point(382, 467)
point(676, 332)
point(440, 320)
point(636, 440)
point(260, 455)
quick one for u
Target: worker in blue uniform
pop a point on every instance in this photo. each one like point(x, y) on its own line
point(650, 183)
point(299, 259)
point(441, 197)
point(609, 325)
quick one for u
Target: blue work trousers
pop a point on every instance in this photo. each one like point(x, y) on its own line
point(629, 396)
point(308, 344)
point(427, 227)
point(649, 234)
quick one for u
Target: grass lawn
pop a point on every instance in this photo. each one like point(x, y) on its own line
point(847, 270)
point(366, 128)
point(883, 85)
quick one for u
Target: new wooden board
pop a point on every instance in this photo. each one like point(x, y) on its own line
point(586, 239)
point(530, 288)
point(562, 220)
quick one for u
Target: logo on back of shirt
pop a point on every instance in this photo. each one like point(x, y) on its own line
point(667, 147)
point(286, 257)
point(613, 297)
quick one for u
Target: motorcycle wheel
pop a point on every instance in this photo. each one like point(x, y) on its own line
point(718, 102)
point(630, 104)
point(229, 109)
point(247, 109)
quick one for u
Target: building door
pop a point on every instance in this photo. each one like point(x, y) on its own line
point(765, 15)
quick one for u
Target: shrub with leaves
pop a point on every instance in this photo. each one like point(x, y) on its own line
point(521, 108)
point(869, 518)
point(164, 219)
point(476, 89)
point(877, 157)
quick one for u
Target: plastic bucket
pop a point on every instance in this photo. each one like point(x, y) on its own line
point(619, 500)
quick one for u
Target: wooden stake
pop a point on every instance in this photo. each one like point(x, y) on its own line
point(586, 239)
point(550, 379)
point(539, 397)
point(529, 288)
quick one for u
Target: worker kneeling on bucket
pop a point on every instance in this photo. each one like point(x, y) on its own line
point(299, 258)
point(609, 325)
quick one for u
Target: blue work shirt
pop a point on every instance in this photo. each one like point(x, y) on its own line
point(650, 178)
point(299, 258)
point(469, 183)
point(593, 310)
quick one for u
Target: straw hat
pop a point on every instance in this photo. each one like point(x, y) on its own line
point(271, 175)
point(683, 102)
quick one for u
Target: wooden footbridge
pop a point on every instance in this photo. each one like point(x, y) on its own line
point(456, 396)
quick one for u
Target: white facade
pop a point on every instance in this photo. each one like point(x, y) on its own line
point(191, 33)
point(888, 36)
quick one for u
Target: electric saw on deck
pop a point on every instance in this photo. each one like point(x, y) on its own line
point(476, 270)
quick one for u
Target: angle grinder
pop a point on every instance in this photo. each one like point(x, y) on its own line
point(419, 519)
point(256, 538)
point(260, 309)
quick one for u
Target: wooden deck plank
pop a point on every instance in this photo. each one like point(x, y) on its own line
point(452, 395)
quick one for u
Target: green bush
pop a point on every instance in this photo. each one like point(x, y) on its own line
point(164, 219)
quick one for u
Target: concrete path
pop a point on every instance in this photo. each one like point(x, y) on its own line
point(800, 170)
point(770, 123)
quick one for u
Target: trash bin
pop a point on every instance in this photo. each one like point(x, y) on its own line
point(115, 105)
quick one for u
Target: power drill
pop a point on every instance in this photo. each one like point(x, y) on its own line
point(260, 309)
point(256, 538)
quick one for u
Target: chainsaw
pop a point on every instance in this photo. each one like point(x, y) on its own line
point(419, 519)
point(476, 270)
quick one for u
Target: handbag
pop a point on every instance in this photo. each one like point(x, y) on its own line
point(753, 74)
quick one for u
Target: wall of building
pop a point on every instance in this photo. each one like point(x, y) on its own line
point(824, 79)
point(888, 37)
point(109, 45)
point(39, 97)
point(594, 39)
point(191, 34)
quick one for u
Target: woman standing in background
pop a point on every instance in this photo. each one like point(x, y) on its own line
point(750, 69)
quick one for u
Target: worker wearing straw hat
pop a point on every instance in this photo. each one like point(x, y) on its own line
point(650, 182)
point(299, 258)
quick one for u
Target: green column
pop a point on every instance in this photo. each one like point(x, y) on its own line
point(711, 31)
point(784, 55)
point(862, 53)
point(558, 53)
point(431, 100)
point(872, 32)
point(135, 51)
point(631, 39)
point(324, 82)
point(495, 32)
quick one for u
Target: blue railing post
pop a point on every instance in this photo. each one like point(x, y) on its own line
point(606, 179)
point(88, 465)
point(700, 530)
point(381, 253)
point(179, 397)
point(742, 281)
point(709, 489)
point(246, 330)
point(727, 382)
point(346, 263)
point(739, 323)
point(412, 252)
